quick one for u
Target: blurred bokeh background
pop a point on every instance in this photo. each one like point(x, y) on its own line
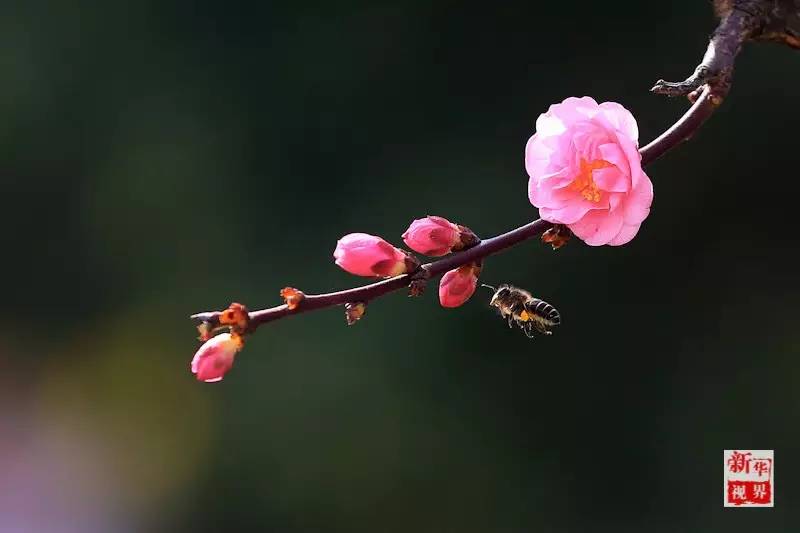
point(163, 158)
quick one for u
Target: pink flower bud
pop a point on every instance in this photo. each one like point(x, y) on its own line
point(456, 286)
point(215, 357)
point(432, 235)
point(367, 255)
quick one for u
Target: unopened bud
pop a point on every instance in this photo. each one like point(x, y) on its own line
point(457, 286)
point(436, 236)
point(215, 357)
point(367, 255)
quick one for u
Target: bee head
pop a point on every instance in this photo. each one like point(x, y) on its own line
point(498, 293)
point(503, 292)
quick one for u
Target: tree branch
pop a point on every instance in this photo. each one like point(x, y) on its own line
point(681, 130)
point(741, 20)
point(372, 291)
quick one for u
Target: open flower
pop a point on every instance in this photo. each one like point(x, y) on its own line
point(585, 171)
point(457, 286)
point(215, 357)
point(367, 255)
point(432, 235)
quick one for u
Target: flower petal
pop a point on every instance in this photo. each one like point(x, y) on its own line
point(574, 109)
point(598, 227)
point(625, 235)
point(638, 201)
point(569, 214)
point(611, 179)
point(621, 118)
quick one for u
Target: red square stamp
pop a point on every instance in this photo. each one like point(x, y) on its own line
point(749, 478)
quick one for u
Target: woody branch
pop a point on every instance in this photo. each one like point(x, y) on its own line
point(740, 21)
point(682, 129)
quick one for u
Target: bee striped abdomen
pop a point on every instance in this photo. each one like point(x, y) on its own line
point(544, 312)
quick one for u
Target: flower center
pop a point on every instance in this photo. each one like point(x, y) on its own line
point(584, 183)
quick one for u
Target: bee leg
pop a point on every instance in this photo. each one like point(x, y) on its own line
point(510, 321)
point(527, 329)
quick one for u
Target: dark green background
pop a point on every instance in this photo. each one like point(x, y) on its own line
point(160, 158)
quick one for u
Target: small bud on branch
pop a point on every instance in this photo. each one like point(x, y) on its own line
point(557, 236)
point(292, 297)
point(353, 312)
point(363, 254)
point(458, 285)
point(215, 357)
point(436, 236)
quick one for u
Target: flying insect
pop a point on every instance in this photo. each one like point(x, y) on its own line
point(519, 307)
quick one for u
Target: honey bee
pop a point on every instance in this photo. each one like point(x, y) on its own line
point(519, 307)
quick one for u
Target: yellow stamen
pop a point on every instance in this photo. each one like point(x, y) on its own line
point(584, 183)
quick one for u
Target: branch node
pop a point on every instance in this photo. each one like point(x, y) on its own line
point(236, 318)
point(701, 76)
point(354, 311)
point(292, 297)
point(416, 287)
point(467, 239)
point(557, 236)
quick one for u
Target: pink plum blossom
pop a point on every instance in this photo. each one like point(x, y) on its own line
point(367, 255)
point(456, 286)
point(433, 236)
point(585, 171)
point(215, 357)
